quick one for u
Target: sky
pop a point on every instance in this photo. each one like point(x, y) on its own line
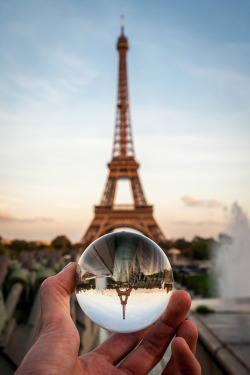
point(189, 90)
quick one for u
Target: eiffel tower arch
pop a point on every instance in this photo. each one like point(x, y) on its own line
point(123, 165)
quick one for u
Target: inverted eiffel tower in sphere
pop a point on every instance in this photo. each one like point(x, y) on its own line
point(123, 165)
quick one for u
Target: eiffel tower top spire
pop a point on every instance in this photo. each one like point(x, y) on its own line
point(122, 25)
point(123, 143)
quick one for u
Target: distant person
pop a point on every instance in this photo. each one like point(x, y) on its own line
point(56, 346)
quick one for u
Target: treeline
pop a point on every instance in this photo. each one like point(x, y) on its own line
point(17, 246)
point(199, 248)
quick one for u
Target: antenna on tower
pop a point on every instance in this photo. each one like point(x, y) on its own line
point(122, 25)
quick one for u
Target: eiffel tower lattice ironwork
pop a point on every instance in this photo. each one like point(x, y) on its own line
point(123, 295)
point(123, 165)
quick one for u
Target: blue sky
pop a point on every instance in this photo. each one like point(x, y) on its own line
point(189, 85)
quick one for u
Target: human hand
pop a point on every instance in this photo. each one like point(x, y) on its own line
point(55, 350)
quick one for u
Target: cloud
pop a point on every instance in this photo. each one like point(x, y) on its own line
point(6, 218)
point(193, 202)
point(197, 223)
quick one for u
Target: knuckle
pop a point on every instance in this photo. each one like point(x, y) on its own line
point(46, 285)
point(47, 282)
point(168, 325)
point(151, 348)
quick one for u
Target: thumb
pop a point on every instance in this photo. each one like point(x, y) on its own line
point(54, 295)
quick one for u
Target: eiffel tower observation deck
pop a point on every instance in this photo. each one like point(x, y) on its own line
point(123, 165)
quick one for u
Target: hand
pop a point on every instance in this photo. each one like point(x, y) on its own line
point(55, 350)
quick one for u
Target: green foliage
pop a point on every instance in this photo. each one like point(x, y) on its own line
point(203, 285)
point(3, 248)
point(16, 247)
point(201, 250)
point(19, 245)
point(182, 244)
point(61, 243)
point(203, 309)
point(166, 245)
point(198, 249)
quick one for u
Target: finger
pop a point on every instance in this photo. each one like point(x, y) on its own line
point(185, 361)
point(155, 343)
point(119, 345)
point(189, 332)
point(55, 292)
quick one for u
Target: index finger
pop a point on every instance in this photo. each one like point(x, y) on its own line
point(155, 343)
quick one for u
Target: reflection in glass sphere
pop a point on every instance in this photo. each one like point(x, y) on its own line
point(123, 282)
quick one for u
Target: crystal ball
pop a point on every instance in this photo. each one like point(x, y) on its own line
point(123, 282)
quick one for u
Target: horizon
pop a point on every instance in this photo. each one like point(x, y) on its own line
point(7, 241)
point(188, 76)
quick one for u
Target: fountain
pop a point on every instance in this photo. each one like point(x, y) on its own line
point(233, 257)
point(225, 331)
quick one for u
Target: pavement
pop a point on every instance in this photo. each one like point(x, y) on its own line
point(225, 333)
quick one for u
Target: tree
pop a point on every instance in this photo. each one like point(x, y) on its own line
point(61, 243)
point(19, 245)
point(201, 250)
point(2, 246)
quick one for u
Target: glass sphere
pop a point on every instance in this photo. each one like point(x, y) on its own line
point(123, 282)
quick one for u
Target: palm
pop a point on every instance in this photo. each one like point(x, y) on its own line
point(57, 344)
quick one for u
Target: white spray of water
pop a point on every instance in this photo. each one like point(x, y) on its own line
point(233, 258)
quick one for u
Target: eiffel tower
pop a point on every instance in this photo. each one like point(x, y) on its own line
point(123, 165)
point(121, 294)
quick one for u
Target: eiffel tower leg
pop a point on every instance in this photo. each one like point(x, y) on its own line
point(90, 234)
point(138, 194)
point(123, 311)
point(109, 191)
